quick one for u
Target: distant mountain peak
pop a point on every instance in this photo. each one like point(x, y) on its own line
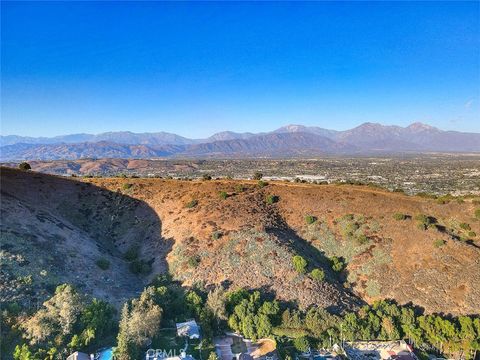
point(292, 140)
point(293, 128)
point(419, 126)
point(371, 125)
point(227, 135)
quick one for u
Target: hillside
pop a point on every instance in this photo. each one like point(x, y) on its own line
point(55, 229)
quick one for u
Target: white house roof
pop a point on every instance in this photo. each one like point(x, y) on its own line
point(77, 355)
point(189, 329)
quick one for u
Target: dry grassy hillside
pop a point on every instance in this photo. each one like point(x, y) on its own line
point(242, 240)
point(54, 230)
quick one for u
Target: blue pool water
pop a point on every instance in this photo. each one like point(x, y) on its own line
point(106, 354)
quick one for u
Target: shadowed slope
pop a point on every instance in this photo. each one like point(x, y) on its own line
point(54, 230)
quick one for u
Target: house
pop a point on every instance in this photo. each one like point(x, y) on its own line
point(77, 355)
point(189, 329)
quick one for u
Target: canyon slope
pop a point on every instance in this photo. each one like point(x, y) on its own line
point(56, 229)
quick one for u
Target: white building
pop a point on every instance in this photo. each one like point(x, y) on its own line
point(189, 329)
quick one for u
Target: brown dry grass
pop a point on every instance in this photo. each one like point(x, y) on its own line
point(440, 279)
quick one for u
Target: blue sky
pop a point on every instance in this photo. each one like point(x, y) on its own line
point(198, 68)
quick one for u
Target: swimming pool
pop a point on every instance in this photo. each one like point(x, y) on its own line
point(106, 354)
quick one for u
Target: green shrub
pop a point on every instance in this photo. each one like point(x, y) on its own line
point(472, 234)
point(239, 188)
point(126, 186)
point(26, 280)
point(194, 261)
point(421, 217)
point(257, 176)
point(399, 216)
point(206, 177)
point(24, 166)
point(216, 235)
point(350, 228)
point(271, 199)
point(423, 221)
point(361, 239)
point(131, 254)
point(439, 243)
point(301, 343)
point(103, 263)
point(443, 200)
point(223, 195)
point(310, 219)
point(300, 264)
point(348, 217)
point(477, 213)
point(140, 267)
point(465, 226)
point(337, 264)
point(191, 204)
point(317, 274)
point(261, 184)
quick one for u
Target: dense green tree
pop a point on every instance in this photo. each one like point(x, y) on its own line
point(22, 352)
point(57, 316)
point(318, 321)
point(97, 321)
point(216, 301)
point(409, 326)
point(350, 326)
point(140, 321)
point(263, 325)
point(194, 302)
point(292, 319)
point(251, 316)
point(301, 344)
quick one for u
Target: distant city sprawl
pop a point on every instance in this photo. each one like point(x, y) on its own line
point(429, 174)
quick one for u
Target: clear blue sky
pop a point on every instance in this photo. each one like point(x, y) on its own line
point(198, 68)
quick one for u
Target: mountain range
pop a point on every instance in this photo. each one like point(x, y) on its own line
point(287, 141)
